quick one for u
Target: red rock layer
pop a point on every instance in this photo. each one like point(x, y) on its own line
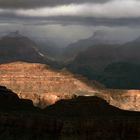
point(39, 83)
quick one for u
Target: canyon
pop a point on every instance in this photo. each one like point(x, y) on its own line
point(45, 86)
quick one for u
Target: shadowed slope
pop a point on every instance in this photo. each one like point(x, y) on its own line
point(84, 118)
point(86, 107)
point(10, 101)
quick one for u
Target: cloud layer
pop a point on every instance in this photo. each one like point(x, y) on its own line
point(110, 9)
point(41, 3)
point(47, 18)
point(113, 9)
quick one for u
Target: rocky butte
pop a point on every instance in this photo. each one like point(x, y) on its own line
point(41, 84)
point(45, 86)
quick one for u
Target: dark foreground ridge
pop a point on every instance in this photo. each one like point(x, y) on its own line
point(84, 118)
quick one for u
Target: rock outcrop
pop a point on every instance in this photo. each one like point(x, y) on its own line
point(90, 118)
point(123, 99)
point(45, 86)
point(41, 84)
point(11, 102)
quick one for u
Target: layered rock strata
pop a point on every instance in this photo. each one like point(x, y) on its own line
point(41, 84)
point(45, 86)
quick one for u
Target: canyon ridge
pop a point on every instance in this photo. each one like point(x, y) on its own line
point(45, 86)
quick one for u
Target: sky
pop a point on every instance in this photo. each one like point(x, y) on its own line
point(66, 21)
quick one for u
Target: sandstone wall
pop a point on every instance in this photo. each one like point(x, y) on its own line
point(123, 99)
point(44, 86)
point(39, 83)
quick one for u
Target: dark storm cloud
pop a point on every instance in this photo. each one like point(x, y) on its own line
point(87, 12)
point(69, 20)
point(111, 9)
point(42, 3)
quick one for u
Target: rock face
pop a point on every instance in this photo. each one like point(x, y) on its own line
point(41, 84)
point(45, 86)
point(124, 99)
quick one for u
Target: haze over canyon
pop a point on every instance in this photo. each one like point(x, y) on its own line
point(70, 70)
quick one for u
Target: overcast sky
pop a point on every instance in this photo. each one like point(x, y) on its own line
point(75, 19)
